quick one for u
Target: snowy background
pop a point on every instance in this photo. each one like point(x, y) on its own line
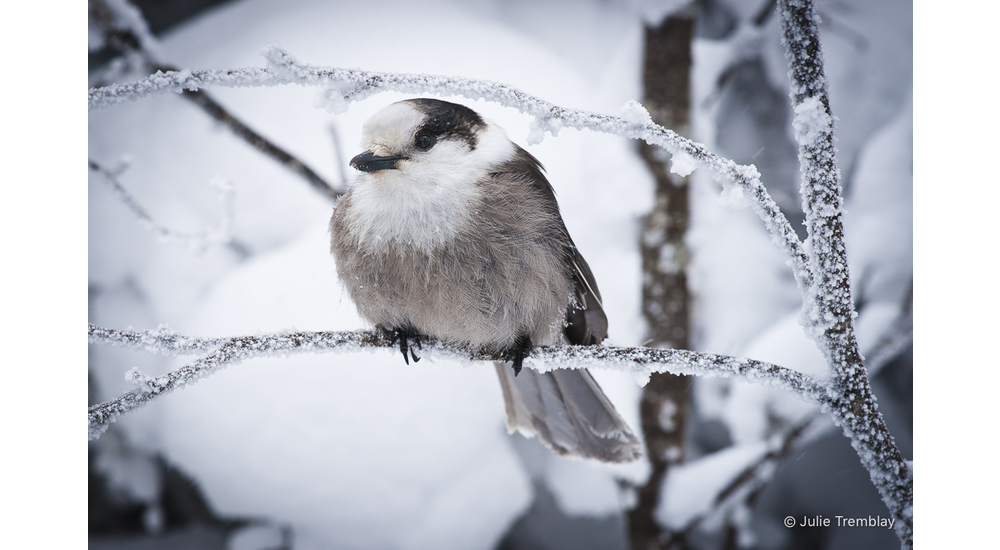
point(363, 451)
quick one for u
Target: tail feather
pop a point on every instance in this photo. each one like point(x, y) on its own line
point(568, 412)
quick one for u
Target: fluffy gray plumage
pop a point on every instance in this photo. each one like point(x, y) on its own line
point(452, 231)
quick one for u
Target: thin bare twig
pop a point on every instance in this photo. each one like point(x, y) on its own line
point(199, 241)
point(891, 344)
point(338, 155)
point(127, 31)
point(259, 142)
point(755, 477)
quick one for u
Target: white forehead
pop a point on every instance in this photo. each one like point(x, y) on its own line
point(392, 127)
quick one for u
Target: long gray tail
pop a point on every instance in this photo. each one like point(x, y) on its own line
point(569, 413)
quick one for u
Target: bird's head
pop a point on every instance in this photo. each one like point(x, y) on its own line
point(429, 141)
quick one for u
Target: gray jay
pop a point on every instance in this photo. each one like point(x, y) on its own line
point(452, 231)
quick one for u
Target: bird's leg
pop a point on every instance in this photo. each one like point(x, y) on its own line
point(404, 336)
point(516, 353)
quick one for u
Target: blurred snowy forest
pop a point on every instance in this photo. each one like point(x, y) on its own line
point(192, 227)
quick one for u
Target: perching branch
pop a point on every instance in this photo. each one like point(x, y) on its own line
point(224, 351)
point(828, 311)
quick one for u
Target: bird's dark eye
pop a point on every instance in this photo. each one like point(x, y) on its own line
point(424, 141)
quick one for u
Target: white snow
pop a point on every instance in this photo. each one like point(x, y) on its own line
point(682, 164)
point(635, 113)
point(690, 489)
point(879, 218)
point(811, 120)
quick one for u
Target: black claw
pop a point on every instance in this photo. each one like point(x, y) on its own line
point(517, 353)
point(403, 336)
point(416, 341)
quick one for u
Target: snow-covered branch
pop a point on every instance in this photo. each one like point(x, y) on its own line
point(342, 86)
point(221, 352)
point(828, 312)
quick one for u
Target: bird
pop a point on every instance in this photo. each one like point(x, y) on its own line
point(452, 231)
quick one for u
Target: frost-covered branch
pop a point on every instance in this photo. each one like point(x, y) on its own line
point(221, 352)
point(828, 310)
point(126, 30)
point(342, 86)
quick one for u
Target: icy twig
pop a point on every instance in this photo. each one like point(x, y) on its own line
point(342, 86)
point(828, 309)
point(197, 241)
point(224, 351)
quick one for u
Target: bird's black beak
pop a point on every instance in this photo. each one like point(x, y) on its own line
point(368, 162)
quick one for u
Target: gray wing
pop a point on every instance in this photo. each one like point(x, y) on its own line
point(566, 408)
point(568, 412)
point(586, 323)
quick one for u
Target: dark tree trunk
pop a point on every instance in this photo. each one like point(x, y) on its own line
point(665, 298)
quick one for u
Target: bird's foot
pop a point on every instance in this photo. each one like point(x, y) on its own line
point(407, 338)
point(516, 354)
